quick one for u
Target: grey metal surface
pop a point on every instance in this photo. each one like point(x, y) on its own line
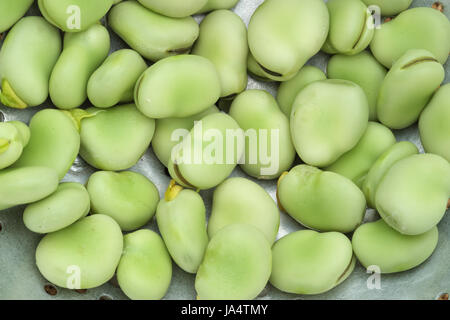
point(20, 279)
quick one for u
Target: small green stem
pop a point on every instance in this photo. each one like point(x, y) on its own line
point(4, 145)
point(172, 191)
point(76, 115)
point(9, 98)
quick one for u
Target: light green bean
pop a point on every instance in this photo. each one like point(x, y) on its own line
point(127, 197)
point(113, 82)
point(82, 256)
point(169, 36)
point(27, 57)
point(181, 218)
point(145, 269)
point(69, 203)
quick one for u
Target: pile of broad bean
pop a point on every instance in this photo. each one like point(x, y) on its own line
point(339, 124)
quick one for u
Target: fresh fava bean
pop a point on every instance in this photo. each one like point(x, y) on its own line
point(11, 11)
point(27, 57)
point(308, 262)
point(408, 87)
point(127, 197)
point(284, 34)
point(74, 15)
point(417, 28)
point(90, 248)
point(288, 90)
point(14, 136)
point(82, 55)
point(54, 142)
point(321, 200)
point(113, 82)
point(389, 7)
point(165, 137)
point(217, 5)
point(241, 201)
point(434, 124)
point(69, 203)
point(203, 160)
point(266, 127)
point(362, 69)
point(412, 196)
point(113, 139)
point(145, 269)
point(356, 163)
point(351, 27)
point(25, 185)
point(179, 86)
point(237, 265)
point(328, 119)
point(169, 36)
point(384, 162)
point(376, 243)
point(181, 218)
point(174, 8)
point(223, 40)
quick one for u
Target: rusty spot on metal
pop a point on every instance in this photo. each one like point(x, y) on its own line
point(50, 289)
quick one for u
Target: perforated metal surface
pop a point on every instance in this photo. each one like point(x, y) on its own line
point(20, 279)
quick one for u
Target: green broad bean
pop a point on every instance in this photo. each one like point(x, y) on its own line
point(216, 161)
point(74, 15)
point(385, 161)
point(145, 269)
point(328, 119)
point(27, 57)
point(113, 82)
point(389, 7)
point(434, 124)
point(356, 163)
point(241, 201)
point(114, 139)
point(351, 27)
point(308, 262)
point(223, 40)
point(217, 5)
point(163, 140)
point(181, 218)
point(288, 90)
point(416, 28)
point(284, 34)
point(362, 69)
point(321, 200)
point(89, 250)
point(378, 244)
point(14, 136)
point(11, 11)
point(127, 197)
point(169, 36)
point(54, 142)
point(69, 203)
point(408, 87)
point(266, 127)
point(237, 265)
point(174, 8)
point(83, 53)
point(412, 196)
point(179, 86)
point(26, 185)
